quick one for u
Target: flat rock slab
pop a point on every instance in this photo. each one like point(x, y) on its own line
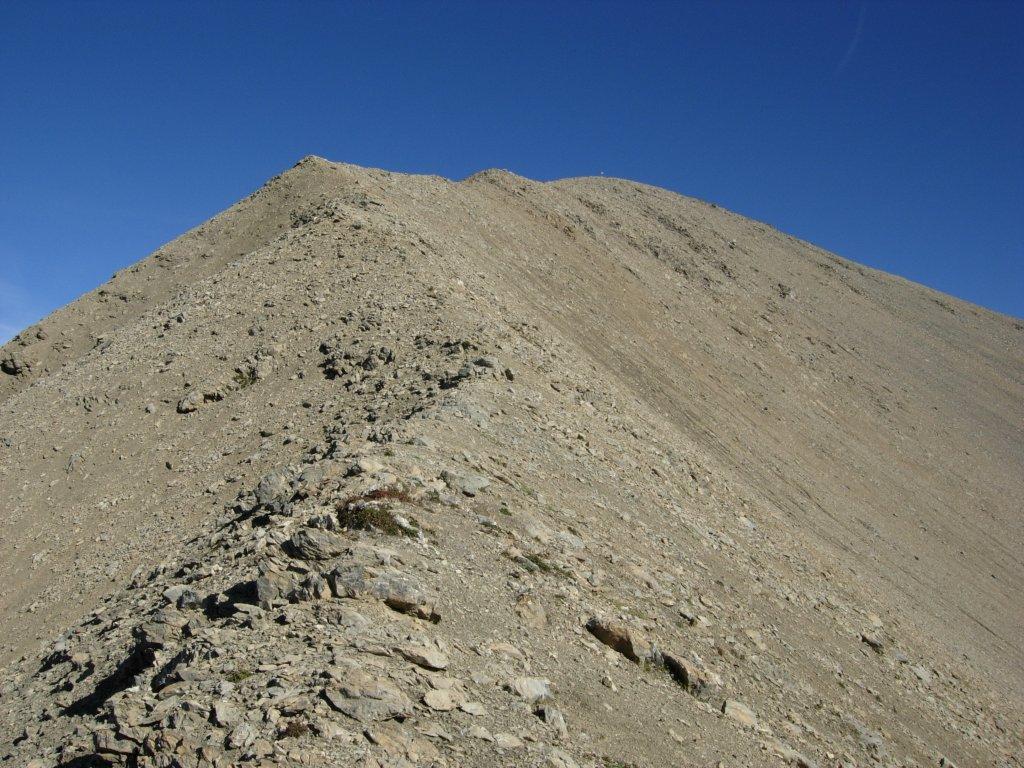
point(367, 699)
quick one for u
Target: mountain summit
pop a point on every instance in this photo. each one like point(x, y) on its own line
point(379, 470)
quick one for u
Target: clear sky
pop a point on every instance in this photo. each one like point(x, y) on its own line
point(890, 133)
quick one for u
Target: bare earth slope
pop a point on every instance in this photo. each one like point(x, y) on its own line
point(382, 470)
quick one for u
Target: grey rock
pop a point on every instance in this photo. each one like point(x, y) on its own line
point(15, 365)
point(620, 638)
point(739, 712)
point(693, 680)
point(428, 658)
point(555, 719)
point(242, 736)
point(398, 592)
point(465, 483)
point(313, 587)
point(440, 700)
point(558, 758)
point(274, 487)
point(507, 741)
point(535, 690)
point(923, 674)
point(314, 544)
point(226, 714)
point(366, 698)
point(873, 640)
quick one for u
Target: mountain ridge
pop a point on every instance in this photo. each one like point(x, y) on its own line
point(784, 404)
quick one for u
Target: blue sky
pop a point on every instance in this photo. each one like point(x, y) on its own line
point(891, 133)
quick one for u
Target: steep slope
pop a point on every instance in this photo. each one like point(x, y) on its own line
point(382, 469)
point(70, 332)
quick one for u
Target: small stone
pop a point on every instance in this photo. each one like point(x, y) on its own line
point(479, 732)
point(268, 589)
point(507, 741)
point(171, 594)
point(874, 640)
point(435, 731)
point(441, 683)
point(13, 365)
point(367, 699)
point(739, 712)
point(558, 758)
point(532, 613)
point(367, 466)
point(107, 742)
point(791, 756)
point(193, 400)
point(260, 748)
point(274, 488)
point(440, 700)
point(396, 740)
point(226, 714)
point(315, 544)
point(242, 736)
point(556, 719)
point(686, 674)
point(534, 690)
point(923, 674)
point(397, 591)
point(756, 638)
point(328, 729)
point(619, 637)
point(467, 484)
point(506, 649)
point(474, 708)
point(428, 658)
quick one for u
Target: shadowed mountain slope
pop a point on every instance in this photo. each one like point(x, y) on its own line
point(379, 469)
